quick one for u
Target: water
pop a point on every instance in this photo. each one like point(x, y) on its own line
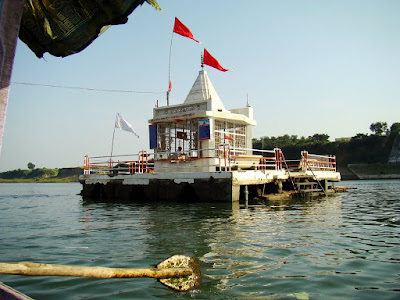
point(342, 247)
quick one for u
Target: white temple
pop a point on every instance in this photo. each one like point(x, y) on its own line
point(203, 152)
point(189, 137)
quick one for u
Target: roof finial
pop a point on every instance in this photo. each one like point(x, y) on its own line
point(247, 105)
point(202, 62)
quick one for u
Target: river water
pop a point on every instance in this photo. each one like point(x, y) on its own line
point(342, 247)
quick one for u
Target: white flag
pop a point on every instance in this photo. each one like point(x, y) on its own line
point(124, 125)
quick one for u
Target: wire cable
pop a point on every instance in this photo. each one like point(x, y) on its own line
point(84, 88)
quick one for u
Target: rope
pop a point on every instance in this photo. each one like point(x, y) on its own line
point(315, 177)
point(287, 168)
point(290, 177)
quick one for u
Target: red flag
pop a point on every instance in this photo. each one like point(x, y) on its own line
point(181, 29)
point(212, 62)
point(227, 137)
point(170, 86)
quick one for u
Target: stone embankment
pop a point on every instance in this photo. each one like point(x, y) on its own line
point(391, 170)
point(373, 171)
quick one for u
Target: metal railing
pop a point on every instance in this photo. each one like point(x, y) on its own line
point(314, 162)
point(267, 159)
point(222, 158)
point(120, 164)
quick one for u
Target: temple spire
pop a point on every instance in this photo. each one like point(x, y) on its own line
point(203, 89)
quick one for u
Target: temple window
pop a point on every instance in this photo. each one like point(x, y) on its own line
point(178, 134)
point(232, 134)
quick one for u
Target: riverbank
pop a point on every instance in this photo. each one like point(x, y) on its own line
point(41, 180)
point(41, 175)
point(370, 171)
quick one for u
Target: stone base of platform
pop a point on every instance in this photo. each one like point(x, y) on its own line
point(198, 187)
point(166, 187)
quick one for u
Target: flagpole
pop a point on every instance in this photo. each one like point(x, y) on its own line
point(169, 68)
point(112, 143)
point(182, 30)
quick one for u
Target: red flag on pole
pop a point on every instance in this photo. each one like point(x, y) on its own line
point(212, 62)
point(227, 137)
point(181, 29)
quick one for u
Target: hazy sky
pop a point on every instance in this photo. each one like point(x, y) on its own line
point(307, 66)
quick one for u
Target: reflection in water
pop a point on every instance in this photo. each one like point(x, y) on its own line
point(281, 248)
point(264, 239)
point(234, 242)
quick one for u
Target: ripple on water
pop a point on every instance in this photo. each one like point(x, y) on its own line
point(343, 247)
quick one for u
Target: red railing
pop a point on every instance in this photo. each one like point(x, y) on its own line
point(316, 162)
point(226, 159)
point(109, 165)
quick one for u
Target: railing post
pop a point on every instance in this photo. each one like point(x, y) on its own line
point(282, 159)
point(219, 157)
point(110, 166)
point(225, 156)
point(86, 168)
point(140, 158)
point(278, 165)
point(145, 161)
point(304, 159)
point(334, 162)
point(229, 158)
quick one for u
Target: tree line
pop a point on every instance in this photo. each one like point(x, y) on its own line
point(361, 148)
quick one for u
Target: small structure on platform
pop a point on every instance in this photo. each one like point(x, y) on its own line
point(187, 137)
point(203, 152)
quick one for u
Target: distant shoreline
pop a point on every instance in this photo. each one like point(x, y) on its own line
point(42, 175)
point(73, 179)
point(372, 171)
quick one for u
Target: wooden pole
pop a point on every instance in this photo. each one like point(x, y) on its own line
point(112, 142)
point(37, 269)
point(179, 272)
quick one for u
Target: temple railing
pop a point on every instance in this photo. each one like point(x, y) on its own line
point(314, 162)
point(222, 158)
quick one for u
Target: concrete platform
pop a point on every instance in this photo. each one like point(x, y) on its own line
point(225, 186)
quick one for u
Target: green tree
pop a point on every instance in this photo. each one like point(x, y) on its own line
point(379, 128)
point(320, 137)
point(395, 128)
point(294, 139)
point(31, 166)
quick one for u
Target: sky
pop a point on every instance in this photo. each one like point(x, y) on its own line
point(306, 67)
